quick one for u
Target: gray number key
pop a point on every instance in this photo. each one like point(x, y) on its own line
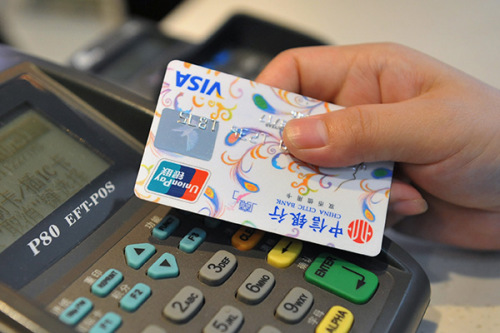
point(185, 305)
point(228, 320)
point(218, 268)
point(295, 305)
point(256, 287)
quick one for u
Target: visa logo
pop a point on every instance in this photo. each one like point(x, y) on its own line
point(198, 83)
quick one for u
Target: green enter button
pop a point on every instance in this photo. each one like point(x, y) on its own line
point(342, 278)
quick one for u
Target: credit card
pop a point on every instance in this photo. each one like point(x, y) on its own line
point(215, 148)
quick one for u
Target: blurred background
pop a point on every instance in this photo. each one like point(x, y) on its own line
point(464, 34)
point(459, 32)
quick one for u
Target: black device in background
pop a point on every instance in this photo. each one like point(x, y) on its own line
point(153, 10)
point(245, 44)
point(135, 56)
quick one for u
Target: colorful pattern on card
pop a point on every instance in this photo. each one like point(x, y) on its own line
point(215, 148)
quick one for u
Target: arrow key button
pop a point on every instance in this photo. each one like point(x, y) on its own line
point(284, 252)
point(163, 268)
point(137, 254)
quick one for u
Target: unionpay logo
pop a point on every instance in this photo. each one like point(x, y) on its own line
point(178, 181)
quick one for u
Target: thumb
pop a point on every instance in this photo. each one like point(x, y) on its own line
point(410, 131)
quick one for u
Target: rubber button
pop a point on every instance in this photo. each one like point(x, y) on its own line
point(185, 305)
point(338, 319)
point(342, 278)
point(107, 282)
point(137, 254)
point(76, 311)
point(256, 286)
point(218, 268)
point(246, 238)
point(284, 252)
point(135, 297)
point(164, 267)
point(192, 240)
point(166, 227)
point(109, 323)
point(294, 307)
point(268, 329)
point(228, 320)
point(153, 329)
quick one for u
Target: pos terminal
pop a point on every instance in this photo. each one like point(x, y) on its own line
point(79, 252)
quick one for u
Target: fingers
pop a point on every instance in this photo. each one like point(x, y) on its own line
point(455, 225)
point(383, 87)
point(403, 106)
point(350, 75)
point(318, 72)
point(405, 200)
point(402, 132)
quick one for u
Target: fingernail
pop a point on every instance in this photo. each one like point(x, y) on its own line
point(306, 133)
point(410, 207)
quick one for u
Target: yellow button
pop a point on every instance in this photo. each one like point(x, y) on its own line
point(246, 238)
point(337, 320)
point(284, 253)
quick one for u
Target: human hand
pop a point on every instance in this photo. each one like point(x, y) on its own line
point(441, 126)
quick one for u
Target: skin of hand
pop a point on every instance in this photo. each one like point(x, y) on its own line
point(440, 126)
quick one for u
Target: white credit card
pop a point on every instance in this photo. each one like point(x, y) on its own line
point(215, 149)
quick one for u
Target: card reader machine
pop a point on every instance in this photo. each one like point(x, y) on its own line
point(136, 54)
point(78, 252)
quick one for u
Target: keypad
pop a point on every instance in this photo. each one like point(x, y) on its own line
point(150, 277)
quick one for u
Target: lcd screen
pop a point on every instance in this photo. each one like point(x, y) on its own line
point(41, 167)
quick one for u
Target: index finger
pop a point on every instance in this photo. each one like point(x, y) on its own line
point(350, 75)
